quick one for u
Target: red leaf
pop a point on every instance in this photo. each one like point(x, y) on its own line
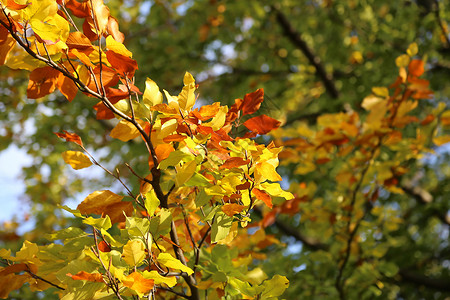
point(263, 196)
point(124, 65)
point(103, 246)
point(70, 137)
point(115, 95)
point(79, 9)
point(262, 124)
point(416, 67)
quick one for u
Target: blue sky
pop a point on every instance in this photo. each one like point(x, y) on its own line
point(12, 186)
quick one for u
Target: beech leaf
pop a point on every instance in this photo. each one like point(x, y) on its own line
point(262, 124)
point(76, 159)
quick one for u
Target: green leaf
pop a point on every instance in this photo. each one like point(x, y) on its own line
point(101, 223)
point(274, 287)
point(220, 227)
point(64, 234)
point(202, 198)
point(174, 158)
point(137, 227)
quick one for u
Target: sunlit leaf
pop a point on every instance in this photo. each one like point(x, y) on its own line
point(76, 159)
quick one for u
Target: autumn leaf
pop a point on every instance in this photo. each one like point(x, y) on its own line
point(42, 82)
point(234, 162)
point(231, 209)
point(124, 131)
point(251, 102)
point(169, 261)
point(124, 65)
point(263, 196)
point(416, 67)
point(133, 252)
point(82, 275)
point(76, 159)
point(106, 203)
point(138, 283)
point(70, 137)
point(262, 124)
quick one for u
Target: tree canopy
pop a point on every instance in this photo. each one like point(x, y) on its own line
point(344, 102)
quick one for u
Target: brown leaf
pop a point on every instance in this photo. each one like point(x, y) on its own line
point(262, 124)
point(67, 87)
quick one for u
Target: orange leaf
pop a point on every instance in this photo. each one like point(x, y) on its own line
point(252, 102)
point(174, 138)
point(7, 42)
point(79, 41)
point(124, 65)
point(42, 82)
point(113, 29)
point(82, 275)
point(416, 67)
point(262, 124)
point(138, 283)
point(96, 202)
point(103, 113)
point(234, 162)
point(263, 196)
point(67, 87)
point(230, 209)
point(114, 95)
point(70, 137)
point(11, 4)
point(206, 112)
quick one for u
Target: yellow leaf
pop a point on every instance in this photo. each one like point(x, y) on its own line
point(168, 128)
point(186, 99)
point(169, 261)
point(152, 95)
point(441, 140)
point(266, 171)
point(97, 201)
point(275, 190)
point(412, 49)
point(185, 172)
point(380, 91)
point(402, 61)
point(117, 47)
point(124, 131)
point(170, 281)
point(151, 202)
point(76, 159)
point(371, 101)
point(134, 252)
point(218, 120)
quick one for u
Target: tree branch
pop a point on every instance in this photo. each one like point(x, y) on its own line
point(296, 39)
point(419, 279)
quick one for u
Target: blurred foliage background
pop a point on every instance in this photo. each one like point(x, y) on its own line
point(311, 57)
